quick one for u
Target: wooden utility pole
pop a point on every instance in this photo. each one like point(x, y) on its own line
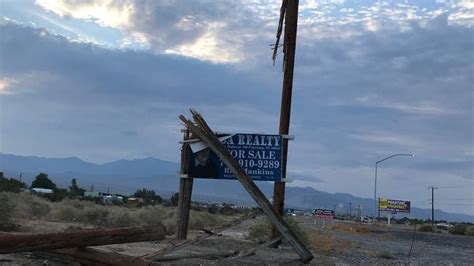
point(432, 204)
point(291, 22)
point(21, 242)
point(185, 193)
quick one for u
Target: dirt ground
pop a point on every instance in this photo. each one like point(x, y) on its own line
point(344, 243)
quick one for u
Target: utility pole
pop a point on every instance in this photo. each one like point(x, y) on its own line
point(432, 203)
point(350, 208)
point(289, 47)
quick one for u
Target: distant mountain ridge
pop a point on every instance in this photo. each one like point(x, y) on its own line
point(126, 176)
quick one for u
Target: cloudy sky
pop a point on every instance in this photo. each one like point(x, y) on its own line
point(105, 80)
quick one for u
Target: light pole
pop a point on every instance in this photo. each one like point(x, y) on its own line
point(376, 210)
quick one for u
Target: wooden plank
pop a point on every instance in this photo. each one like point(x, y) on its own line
point(185, 193)
point(202, 130)
point(15, 242)
point(210, 256)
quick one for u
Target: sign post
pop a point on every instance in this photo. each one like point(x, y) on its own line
point(291, 22)
point(185, 192)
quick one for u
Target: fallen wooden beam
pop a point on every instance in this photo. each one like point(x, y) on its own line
point(202, 130)
point(210, 256)
point(91, 256)
point(21, 242)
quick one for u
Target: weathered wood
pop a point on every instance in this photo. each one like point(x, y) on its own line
point(291, 23)
point(213, 255)
point(210, 232)
point(185, 193)
point(91, 256)
point(16, 242)
point(203, 131)
point(252, 251)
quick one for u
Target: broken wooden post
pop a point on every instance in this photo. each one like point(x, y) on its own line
point(202, 130)
point(91, 256)
point(185, 193)
point(291, 23)
point(16, 242)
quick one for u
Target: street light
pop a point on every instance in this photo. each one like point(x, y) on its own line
point(375, 190)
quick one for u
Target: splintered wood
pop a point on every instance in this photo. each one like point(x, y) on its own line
point(200, 128)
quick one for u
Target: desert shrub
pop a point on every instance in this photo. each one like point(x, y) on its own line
point(227, 210)
point(295, 227)
point(120, 217)
point(150, 215)
point(39, 209)
point(458, 229)
point(94, 215)
point(170, 223)
point(200, 220)
point(470, 231)
point(66, 213)
point(386, 255)
point(6, 211)
point(212, 209)
point(426, 228)
point(261, 231)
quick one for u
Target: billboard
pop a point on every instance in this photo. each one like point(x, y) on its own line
point(258, 154)
point(394, 205)
point(323, 214)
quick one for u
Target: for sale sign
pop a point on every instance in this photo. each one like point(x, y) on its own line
point(258, 154)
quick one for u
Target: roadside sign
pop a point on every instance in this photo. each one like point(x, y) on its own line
point(258, 154)
point(391, 205)
point(323, 214)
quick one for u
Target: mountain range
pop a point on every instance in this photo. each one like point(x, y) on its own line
point(126, 176)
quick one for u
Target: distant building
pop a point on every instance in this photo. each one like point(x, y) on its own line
point(42, 191)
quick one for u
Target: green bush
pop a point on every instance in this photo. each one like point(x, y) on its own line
point(458, 229)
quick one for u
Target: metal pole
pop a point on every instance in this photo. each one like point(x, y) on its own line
point(375, 190)
point(289, 48)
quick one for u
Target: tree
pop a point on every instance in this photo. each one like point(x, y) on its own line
point(174, 199)
point(42, 181)
point(10, 185)
point(148, 195)
point(75, 190)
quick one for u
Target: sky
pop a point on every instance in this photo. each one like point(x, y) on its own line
point(106, 80)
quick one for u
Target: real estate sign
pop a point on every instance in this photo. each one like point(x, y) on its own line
point(258, 154)
point(394, 205)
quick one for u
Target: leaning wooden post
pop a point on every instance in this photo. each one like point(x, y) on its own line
point(185, 191)
point(291, 22)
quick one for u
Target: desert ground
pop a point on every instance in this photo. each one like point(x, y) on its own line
point(242, 238)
